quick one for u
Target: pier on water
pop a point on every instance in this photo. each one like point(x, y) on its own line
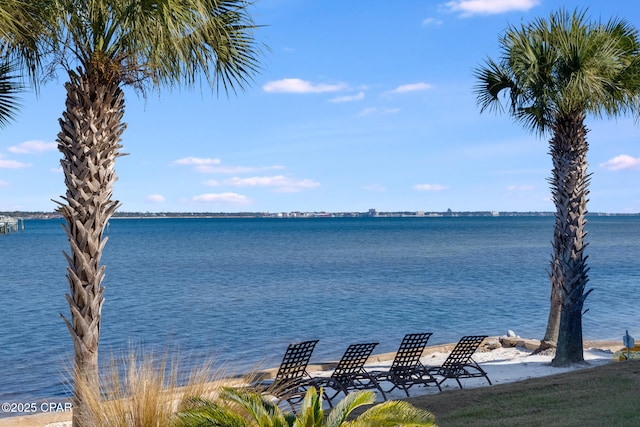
point(9, 224)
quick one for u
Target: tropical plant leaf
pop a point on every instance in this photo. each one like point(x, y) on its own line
point(265, 413)
point(198, 412)
point(10, 87)
point(339, 414)
point(394, 414)
point(310, 413)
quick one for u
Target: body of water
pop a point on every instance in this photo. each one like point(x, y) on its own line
point(240, 290)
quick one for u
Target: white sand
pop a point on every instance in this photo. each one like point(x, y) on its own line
point(503, 365)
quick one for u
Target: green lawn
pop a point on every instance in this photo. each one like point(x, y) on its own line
point(607, 395)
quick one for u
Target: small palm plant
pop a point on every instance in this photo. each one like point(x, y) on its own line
point(243, 408)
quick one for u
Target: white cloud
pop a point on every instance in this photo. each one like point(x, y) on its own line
point(12, 164)
point(31, 147)
point(196, 161)
point(348, 98)
point(256, 181)
point(367, 112)
point(427, 22)
point(222, 198)
point(156, 198)
point(211, 166)
point(232, 170)
point(413, 87)
point(300, 86)
point(280, 182)
point(489, 7)
point(223, 169)
point(623, 161)
point(211, 183)
point(377, 111)
point(520, 187)
point(429, 187)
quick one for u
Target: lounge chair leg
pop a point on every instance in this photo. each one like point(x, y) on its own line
point(406, 390)
point(328, 399)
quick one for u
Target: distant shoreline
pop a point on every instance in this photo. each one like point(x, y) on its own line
point(370, 214)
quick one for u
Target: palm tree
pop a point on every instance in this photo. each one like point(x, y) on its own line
point(104, 45)
point(553, 73)
point(252, 409)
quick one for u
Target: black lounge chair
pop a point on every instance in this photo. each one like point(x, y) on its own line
point(459, 363)
point(406, 369)
point(349, 374)
point(292, 379)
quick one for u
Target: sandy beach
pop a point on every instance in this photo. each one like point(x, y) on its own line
point(505, 360)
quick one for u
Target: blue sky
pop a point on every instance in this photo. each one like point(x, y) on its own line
point(360, 105)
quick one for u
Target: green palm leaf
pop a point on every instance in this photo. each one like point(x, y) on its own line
point(151, 44)
point(255, 410)
point(9, 90)
point(265, 413)
point(338, 416)
point(551, 68)
point(310, 413)
point(198, 412)
point(394, 414)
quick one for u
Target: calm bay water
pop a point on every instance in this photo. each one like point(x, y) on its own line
point(241, 290)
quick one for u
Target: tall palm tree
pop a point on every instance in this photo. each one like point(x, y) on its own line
point(551, 75)
point(104, 45)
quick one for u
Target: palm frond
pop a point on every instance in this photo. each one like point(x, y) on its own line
point(10, 87)
point(258, 407)
point(554, 67)
point(493, 80)
point(229, 38)
point(199, 412)
point(159, 43)
point(310, 413)
point(395, 414)
point(339, 414)
point(25, 34)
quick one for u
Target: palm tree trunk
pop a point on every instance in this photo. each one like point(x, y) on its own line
point(89, 140)
point(569, 183)
point(550, 339)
